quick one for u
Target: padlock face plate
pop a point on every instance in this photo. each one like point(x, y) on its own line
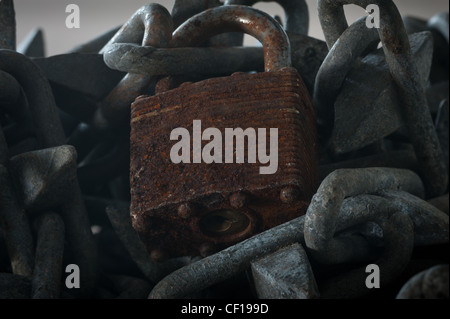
point(158, 186)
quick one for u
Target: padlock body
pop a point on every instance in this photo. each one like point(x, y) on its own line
point(180, 208)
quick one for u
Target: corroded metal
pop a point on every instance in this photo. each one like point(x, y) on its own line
point(431, 283)
point(369, 85)
point(321, 219)
point(399, 215)
point(296, 13)
point(398, 232)
point(285, 274)
point(149, 145)
point(339, 61)
point(438, 26)
point(156, 195)
point(228, 262)
point(46, 282)
point(376, 215)
point(50, 133)
point(307, 56)
point(430, 224)
point(44, 177)
point(151, 25)
point(404, 71)
point(157, 61)
point(277, 53)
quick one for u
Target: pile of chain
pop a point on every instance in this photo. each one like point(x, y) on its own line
point(383, 143)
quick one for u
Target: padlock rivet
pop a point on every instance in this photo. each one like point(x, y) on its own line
point(185, 210)
point(289, 194)
point(238, 200)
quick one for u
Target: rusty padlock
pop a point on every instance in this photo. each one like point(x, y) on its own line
point(192, 208)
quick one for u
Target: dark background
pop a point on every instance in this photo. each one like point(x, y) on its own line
point(98, 16)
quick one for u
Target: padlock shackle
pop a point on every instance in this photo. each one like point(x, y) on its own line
point(296, 13)
point(277, 48)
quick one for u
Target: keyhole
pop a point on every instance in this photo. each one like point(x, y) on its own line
point(224, 222)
